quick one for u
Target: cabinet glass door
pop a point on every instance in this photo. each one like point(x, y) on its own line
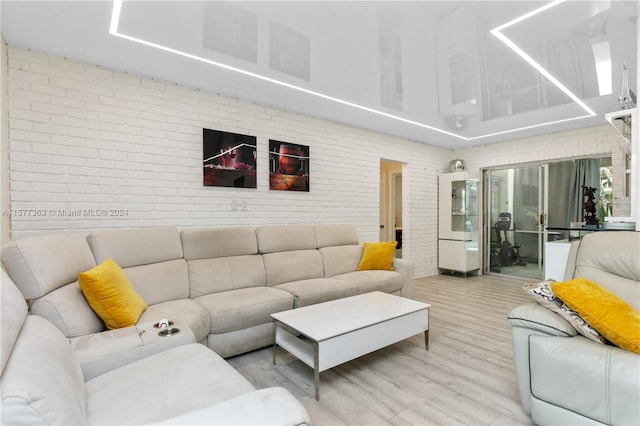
point(464, 205)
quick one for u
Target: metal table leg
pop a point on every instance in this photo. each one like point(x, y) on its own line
point(275, 345)
point(316, 369)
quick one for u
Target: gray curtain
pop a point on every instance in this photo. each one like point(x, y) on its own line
point(566, 181)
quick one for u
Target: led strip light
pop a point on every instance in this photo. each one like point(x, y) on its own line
point(113, 30)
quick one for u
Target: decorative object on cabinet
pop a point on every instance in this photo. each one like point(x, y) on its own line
point(590, 217)
point(627, 99)
point(458, 249)
point(456, 166)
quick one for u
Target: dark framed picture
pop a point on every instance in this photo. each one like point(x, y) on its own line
point(229, 159)
point(288, 166)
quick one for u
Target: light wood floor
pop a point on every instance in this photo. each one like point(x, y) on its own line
point(466, 378)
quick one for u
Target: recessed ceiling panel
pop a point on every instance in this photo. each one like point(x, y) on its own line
point(444, 72)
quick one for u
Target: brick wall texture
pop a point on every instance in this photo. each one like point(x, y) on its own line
point(91, 148)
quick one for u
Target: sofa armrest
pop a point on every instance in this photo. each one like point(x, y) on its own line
point(107, 350)
point(271, 406)
point(536, 317)
point(596, 381)
point(527, 320)
point(407, 270)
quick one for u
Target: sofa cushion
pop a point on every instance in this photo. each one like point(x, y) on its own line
point(618, 321)
point(42, 382)
point(340, 259)
point(69, 311)
point(281, 238)
point(181, 311)
point(284, 267)
point(378, 256)
point(312, 291)
point(244, 308)
point(111, 295)
point(367, 281)
point(164, 385)
point(208, 276)
point(38, 265)
point(541, 292)
point(160, 282)
point(335, 235)
point(209, 243)
point(151, 257)
point(270, 406)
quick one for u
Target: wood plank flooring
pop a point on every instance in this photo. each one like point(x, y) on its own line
point(466, 378)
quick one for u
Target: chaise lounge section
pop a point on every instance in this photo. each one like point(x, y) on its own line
point(42, 382)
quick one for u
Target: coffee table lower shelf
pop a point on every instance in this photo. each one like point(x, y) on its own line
point(335, 350)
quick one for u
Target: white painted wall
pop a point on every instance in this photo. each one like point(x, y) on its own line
point(87, 138)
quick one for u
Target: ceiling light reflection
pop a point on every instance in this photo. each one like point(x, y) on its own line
point(113, 30)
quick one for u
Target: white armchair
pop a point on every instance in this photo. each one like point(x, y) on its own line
point(565, 378)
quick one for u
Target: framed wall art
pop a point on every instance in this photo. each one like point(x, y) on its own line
point(288, 166)
point(229, 159)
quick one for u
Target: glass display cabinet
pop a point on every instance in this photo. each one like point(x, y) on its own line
point(458, 222)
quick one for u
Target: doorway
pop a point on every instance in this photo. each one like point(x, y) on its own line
point(514, 232)
point(391, 203)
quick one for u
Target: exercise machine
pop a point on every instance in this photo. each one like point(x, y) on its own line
point(504, 253)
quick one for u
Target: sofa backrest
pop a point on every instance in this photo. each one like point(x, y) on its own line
point(151, 258)
point(222, 259)
point(41, 382)
point(41, 264)
point(289, 253)
point(611, 259)
point(45, 269)
point(330, 235)
point(339, 248)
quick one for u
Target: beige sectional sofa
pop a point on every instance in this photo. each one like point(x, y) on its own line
point(221, 282)
point(218, 285)
point(565, 378)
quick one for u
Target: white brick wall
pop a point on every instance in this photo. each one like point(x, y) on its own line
point(82, 137)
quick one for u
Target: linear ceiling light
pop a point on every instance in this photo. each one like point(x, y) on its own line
point(113, 30)
point(497, 32)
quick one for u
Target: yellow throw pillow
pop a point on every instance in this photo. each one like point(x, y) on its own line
point(611, 316)
point(111, 295)
point(378, 256)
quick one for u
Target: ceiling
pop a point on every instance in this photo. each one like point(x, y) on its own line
point(448, 73)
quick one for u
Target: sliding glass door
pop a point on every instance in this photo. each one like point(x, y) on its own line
point(528, 205)
point(514, 232)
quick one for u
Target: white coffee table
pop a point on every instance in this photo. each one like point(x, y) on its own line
point(331, 333)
